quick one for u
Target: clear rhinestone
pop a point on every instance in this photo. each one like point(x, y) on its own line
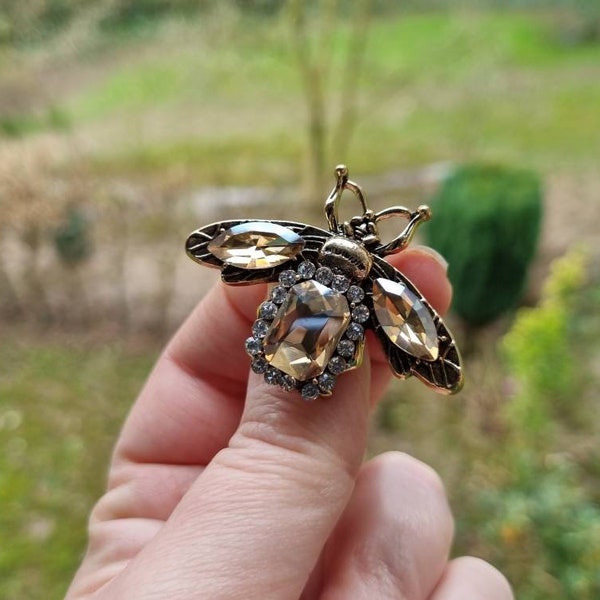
point(310, 391)
point(355, 294)
point(268, 310)
point(326, 382)
point(288, 278)
point(306, 269)
point(307, 329)
point(287, 382)
point(346, 348)
point(253, 346)
point(272, 376)
point(260, 328)
point(360, 314)
point(279, 294)
point(355, 332)
point(256, 245)
point(340, 283)
point(324, 275)
point(337, 365)
point(405, 319)
point(259, 365)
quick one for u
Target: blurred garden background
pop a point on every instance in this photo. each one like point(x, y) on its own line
point(125, 124)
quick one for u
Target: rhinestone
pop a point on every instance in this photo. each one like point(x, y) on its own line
point(259, 365)
point(337, 365)
point(360, 314)
point(345, 348)
point(355, 294)
point(287, 278)
point(278, 294)
point(326, 382)
point(260, 328)
point(306, 269)
point(307, 329)
point(405, 319)
point(324, 275)
point(256, 245)
point(253, 346)
point(287, 382)
point(310, 391)
point(355, 332)
point(272, 376)
point(340, 283)
point(268, 310)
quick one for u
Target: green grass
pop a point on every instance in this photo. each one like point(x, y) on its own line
point(133, 88)
point(239, 160)
point(219, 98)
point(498, 86)
point(61, 406)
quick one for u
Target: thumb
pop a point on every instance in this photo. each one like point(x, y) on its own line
point(254, 523)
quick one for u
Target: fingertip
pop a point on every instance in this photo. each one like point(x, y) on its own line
point(394, 464)
point(470, 578)
point(396, 532)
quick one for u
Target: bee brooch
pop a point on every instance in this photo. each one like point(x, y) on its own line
point(330, 287)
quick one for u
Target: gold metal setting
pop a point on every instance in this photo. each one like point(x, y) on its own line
point(332, 286)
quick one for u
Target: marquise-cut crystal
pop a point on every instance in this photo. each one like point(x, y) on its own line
point(405, 319)
point(306, 330)
point(256, 245)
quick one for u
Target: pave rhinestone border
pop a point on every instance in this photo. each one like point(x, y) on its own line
point(349, 349)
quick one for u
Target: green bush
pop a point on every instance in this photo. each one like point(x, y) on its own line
point(72, 238)
point(486, 223)
point(540, 515)
point(544, 527)
point(22, 124)
point(540, 355)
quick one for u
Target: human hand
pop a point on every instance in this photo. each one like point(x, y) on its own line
point(224, 487)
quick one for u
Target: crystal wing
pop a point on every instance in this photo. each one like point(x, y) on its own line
point(412, 334)
point(251, 251)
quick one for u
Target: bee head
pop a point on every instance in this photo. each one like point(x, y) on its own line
point(347, 255)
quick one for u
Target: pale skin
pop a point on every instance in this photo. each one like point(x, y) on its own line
point(223, 487)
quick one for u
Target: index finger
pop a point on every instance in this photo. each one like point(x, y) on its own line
point(192, 402)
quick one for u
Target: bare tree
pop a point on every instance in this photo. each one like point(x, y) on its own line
point(316, 30)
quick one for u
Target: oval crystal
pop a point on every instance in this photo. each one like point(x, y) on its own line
point(405, 319)
point(256, 245)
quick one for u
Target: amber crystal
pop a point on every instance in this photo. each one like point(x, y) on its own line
point(405, 319)
point(306, 330)
point(256, 245)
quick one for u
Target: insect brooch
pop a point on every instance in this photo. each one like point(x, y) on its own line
point(331, 286)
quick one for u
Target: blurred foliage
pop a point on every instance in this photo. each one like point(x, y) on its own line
point(22, 124)
point(543, 527)
point(37, 19)
point(60, 406)
point(487, 223)
point(539, 351)
point(72, 238)
point(226, 78)
point(541, 517)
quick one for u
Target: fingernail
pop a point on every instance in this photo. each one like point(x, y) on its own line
point(433, 253)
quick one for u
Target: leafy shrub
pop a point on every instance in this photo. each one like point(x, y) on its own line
point(538, 511)
point(72, 238)
point(545, 529)
point(23, 124)
point(486, 223)
point(540, 356)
